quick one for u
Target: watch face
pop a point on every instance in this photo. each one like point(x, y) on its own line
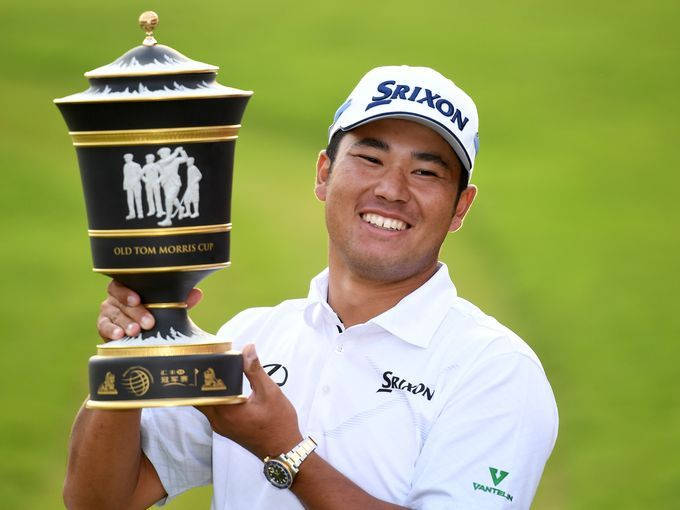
point(278, 474)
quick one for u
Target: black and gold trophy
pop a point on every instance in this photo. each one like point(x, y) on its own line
point(155, 136)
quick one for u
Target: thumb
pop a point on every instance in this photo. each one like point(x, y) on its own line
point(252, 369)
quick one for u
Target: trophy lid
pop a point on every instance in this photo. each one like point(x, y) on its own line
point(152, 71)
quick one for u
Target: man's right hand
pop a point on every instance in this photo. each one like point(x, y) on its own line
point(122, 314)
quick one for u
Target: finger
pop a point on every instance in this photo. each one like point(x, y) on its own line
point(123, 294)
point(127, 318)
point(257, 377)
point(137, 314)
point(108, 330)
point(114, 314)
point(194, 297)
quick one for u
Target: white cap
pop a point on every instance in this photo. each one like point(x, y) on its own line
point(419, 94)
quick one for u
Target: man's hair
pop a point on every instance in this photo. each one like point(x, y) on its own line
point(332, 152)
point(332, 149)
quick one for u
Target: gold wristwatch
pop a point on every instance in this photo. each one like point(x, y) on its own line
point(281, 470)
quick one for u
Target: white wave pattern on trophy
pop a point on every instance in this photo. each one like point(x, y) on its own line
point(158, 339)
point(175, 62)
point(162, 182)
point(193, 337)
point(142, 90)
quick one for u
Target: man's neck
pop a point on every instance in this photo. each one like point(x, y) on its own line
point(356, 300)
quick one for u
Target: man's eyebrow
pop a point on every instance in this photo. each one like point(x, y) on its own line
point(372, 142)
point(431, 157)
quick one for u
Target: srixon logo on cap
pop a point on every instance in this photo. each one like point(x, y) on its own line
point(418, 95)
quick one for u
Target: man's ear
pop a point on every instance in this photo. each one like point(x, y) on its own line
point(462, 207)
point(323, 172)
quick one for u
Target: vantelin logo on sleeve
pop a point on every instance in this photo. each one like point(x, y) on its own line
point(497, 476)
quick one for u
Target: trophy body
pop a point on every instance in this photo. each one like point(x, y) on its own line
point(154, 136)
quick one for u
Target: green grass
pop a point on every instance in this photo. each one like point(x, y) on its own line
point(573, 241)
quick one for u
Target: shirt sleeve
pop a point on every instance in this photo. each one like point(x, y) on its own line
point(488, 447)
point(178, 442)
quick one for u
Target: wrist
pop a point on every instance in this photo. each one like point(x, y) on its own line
point(276, 446)
point(306, 470)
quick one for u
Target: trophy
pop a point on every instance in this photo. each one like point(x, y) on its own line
point(154, 135)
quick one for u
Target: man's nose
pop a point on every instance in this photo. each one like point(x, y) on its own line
point(393, 185)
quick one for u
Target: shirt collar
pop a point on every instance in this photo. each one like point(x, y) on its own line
point(415, 319)
point(317, 309)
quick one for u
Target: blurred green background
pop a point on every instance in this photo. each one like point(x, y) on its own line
point(573, 241)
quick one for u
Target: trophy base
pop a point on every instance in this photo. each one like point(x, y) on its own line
point(166, 375)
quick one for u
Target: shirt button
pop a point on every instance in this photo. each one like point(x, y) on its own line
point(326, 389)
point(338, 348)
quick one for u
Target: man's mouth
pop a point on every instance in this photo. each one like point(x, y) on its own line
point(382, 222)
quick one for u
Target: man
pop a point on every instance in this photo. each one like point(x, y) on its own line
point(191, 195)
point(413, 397)
point(151, 174)
point(132, 184)
point(170, 180)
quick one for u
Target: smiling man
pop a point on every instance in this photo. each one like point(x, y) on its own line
point(392, 391)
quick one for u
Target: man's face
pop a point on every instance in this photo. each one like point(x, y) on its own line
point(390, 199)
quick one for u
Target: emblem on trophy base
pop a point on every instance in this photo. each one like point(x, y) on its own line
point(154, 135)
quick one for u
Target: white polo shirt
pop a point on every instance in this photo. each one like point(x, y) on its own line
point(430, 405)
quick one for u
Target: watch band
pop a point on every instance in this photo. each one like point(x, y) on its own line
point(282, 470)
point(300, 452)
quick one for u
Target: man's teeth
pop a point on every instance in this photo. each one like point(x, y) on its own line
point(382, 222)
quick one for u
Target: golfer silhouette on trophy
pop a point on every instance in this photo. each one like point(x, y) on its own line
point(170, 181)
point(151, 174)
point(132, 184)
point(191, 194)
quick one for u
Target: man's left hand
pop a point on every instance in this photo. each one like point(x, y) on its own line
point(266, 424)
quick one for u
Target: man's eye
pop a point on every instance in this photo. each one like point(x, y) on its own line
point(428, 173)
point(370, 159)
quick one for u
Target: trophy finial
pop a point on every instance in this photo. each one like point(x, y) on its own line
point(148, 20)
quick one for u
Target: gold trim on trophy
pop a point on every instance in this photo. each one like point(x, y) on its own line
point(103, 350)
point(165, 305)
point(165, 402)
point(153, 232)
point(205, 95)
point(154, 136)
point(125, 74)
point(164, 269)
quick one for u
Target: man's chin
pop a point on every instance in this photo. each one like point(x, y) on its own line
point(386, 270)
